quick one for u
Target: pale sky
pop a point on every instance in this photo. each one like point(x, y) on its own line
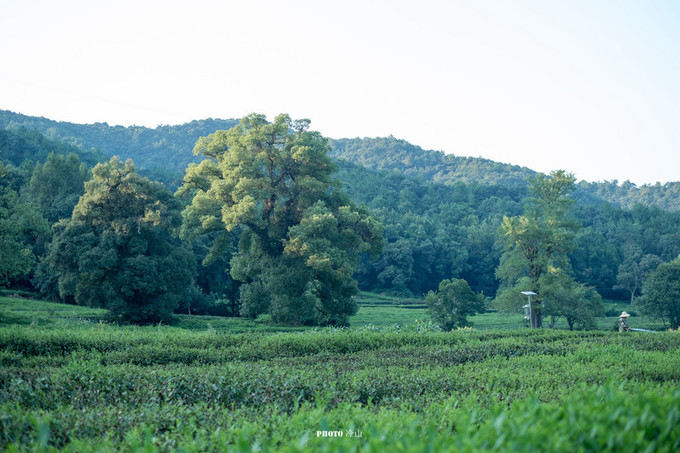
point(592, 87)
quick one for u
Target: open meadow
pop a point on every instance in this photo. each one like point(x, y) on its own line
point(69, 382)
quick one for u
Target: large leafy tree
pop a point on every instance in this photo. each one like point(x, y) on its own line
point(299, 233)
point(537, 243)
point(450, 306)
point(117, 250)
point(634, 269)
point(577, 303)
point(661, 293)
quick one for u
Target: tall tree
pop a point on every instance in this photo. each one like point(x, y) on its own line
point(540, 239)
point(661, 293)
point(300, 233)
point(634, 270)
point(117, 249)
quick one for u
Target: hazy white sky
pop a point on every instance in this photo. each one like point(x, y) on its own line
point(592, 87)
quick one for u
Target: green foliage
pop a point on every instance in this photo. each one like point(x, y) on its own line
point(450, 306)
point(117, 251)
point(19, 144)
point(161, 153)
point(661, 293)
point(564, 297)
point(537, 243)
point(300, 234)
point(16, 258)
point(433, 232)
point(627, 194)
point(21, 227)
point(441, 212)
point(96, 387)
point(56, 185)
point(634, 269)
point(389, 153)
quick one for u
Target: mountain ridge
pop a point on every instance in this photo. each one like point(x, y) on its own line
point(165, 151)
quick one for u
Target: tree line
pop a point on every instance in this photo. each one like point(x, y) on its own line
point(432, 232)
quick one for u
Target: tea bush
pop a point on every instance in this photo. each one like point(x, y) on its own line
point(102, 388)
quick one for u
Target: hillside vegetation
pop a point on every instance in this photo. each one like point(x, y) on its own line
point(161, 153)
point(164, 152)
point(228, 316)
point(441, 213)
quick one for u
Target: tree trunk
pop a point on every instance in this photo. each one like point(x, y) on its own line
point(536, 316)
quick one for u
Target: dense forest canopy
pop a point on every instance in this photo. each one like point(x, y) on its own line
point(441, 213)
point(162, 153)
point(390, 153)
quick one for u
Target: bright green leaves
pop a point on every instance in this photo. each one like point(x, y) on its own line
point(242, 212)
point(315, 238)
point(117, 250)
point(536, 255)
point(450, 306)
point(329, 241)
point(300, 235)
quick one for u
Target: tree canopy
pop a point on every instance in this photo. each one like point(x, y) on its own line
point(300, 234)
point(537, 243)
point(16, 257)
point(454, 301)
point(117, 249)
point(440, 214)
point(661, 293)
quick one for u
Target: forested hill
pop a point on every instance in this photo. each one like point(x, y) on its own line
point(627, 195)
point(441, 213)
point(163, 153)
point(22, 145)
point(389, 153)
point(393, 154)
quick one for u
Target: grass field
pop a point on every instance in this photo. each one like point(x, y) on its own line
point(69, 382)
point(375, 310)
point(383, 311)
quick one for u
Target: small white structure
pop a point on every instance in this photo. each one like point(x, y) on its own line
point(528, 313)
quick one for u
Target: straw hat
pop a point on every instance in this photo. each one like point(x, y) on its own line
point(624, 315)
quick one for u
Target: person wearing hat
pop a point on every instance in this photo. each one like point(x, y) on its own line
point(623, 324)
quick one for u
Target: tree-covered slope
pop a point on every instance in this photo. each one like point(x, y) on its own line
point(389, 153)
point(23, 145)
point(627, 195)
point(161, 153)
point(441, 213)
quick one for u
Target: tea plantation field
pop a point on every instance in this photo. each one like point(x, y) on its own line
point(71, 383)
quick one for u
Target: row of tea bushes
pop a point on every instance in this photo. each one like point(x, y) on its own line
point(381, 377)
point(170, 345)
point(113, 388)
point(608, 418)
